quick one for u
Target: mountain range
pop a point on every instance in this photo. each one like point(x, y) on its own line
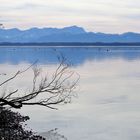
point(67, 34)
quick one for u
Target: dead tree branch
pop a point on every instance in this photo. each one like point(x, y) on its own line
point(48, 93)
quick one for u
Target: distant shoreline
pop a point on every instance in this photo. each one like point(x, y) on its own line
point(71, 44)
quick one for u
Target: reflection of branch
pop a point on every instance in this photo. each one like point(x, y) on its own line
point(55, 91)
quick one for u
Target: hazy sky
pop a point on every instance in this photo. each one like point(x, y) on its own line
point(114, 16)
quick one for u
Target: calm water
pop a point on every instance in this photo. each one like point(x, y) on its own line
point(108, 102)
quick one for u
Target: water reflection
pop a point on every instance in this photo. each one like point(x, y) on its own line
point(107, 107)
point(76, 55)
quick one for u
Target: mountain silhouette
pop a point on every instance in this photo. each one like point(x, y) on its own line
point(67, 34)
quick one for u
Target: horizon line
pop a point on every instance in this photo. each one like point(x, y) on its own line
point(71, 44)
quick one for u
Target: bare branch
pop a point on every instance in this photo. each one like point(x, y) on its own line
point(17, 73)
point(46, 92)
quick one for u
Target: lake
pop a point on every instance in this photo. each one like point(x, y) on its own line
point(107, 105)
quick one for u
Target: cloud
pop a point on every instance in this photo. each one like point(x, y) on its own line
point(94, 15)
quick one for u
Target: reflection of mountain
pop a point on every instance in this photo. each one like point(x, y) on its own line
point(67, 34)
point(75, 55)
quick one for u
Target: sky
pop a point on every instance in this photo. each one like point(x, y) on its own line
point(109, 16)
